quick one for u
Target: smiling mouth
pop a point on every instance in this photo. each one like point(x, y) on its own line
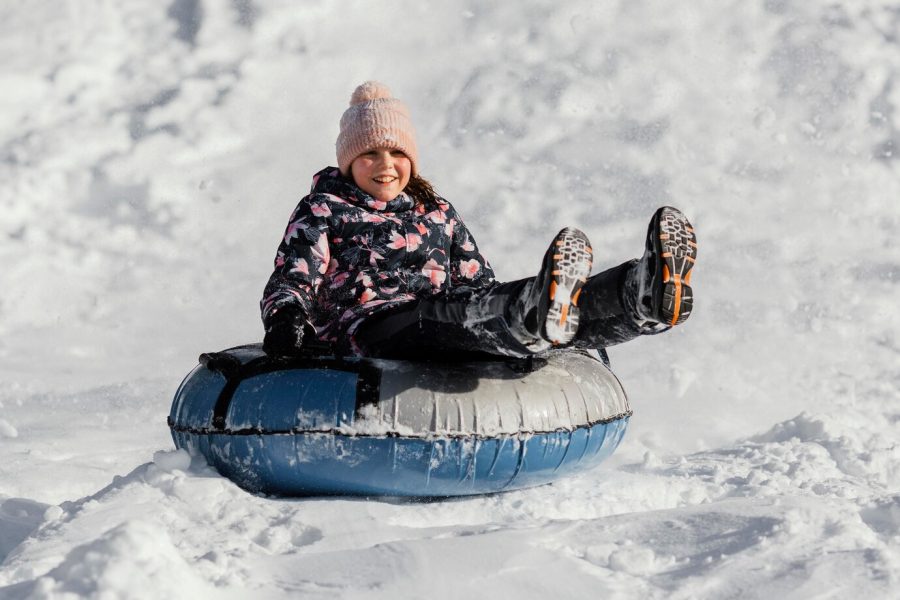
point(384, 179)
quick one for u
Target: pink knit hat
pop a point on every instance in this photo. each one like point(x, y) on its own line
point(375, 119)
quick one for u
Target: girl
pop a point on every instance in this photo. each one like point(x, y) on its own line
point(376, 264)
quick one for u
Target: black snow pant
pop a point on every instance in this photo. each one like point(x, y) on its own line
point(444, 327)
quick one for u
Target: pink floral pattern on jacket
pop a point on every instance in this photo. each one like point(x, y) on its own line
point(346, 256)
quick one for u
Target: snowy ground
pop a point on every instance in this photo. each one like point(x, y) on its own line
point(150, 156)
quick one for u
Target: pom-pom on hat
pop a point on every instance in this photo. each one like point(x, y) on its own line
point(375, 119)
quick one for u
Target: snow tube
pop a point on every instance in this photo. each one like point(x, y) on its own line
point(321, 425)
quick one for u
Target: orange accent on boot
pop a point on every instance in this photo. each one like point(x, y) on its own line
point(552, 290)
point(564, 314)
point(687, 278)
point(666, 275)
point(677, 311)
point(575, 297)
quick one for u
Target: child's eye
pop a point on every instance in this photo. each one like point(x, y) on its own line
point(397, 153)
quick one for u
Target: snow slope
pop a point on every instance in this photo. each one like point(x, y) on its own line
point(150, 155)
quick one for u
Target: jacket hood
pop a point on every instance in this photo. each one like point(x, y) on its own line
point(330, 181)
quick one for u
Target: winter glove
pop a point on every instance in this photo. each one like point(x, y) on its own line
point(285, 330)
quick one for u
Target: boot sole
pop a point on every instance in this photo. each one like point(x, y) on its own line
point(676, 246)
point(571, 265)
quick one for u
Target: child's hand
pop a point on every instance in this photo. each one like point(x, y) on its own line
point(285, 331)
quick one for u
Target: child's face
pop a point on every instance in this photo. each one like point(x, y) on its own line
point(382, 172)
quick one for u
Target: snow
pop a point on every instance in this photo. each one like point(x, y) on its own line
point(150, 156)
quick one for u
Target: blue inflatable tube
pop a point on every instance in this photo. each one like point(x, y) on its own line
point(323, 426)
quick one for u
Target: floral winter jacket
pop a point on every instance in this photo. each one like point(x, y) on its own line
point(346, 256)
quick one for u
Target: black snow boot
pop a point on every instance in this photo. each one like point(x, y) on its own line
point(546, 313)
point(657, 289)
